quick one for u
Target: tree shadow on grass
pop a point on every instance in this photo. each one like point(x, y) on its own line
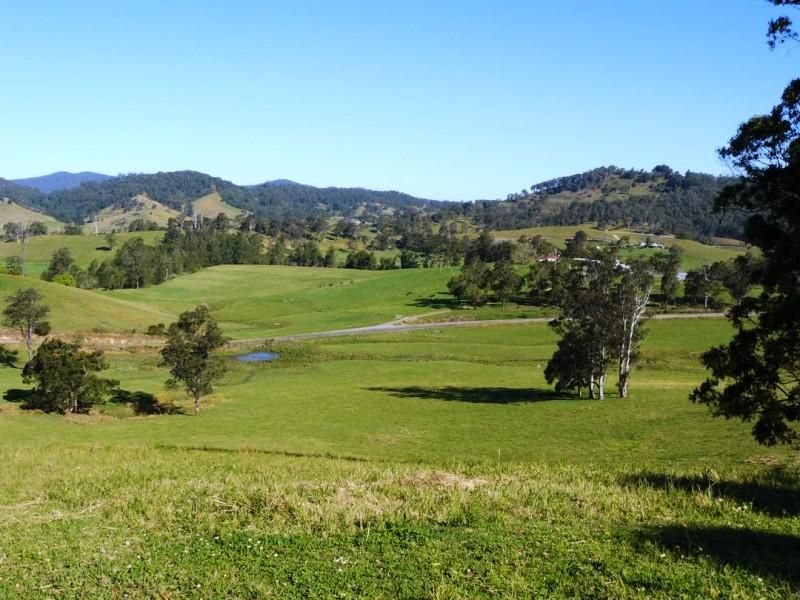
point(437, 303)
point(763, 553)
point(478, 395)
point(778, 496)
point(8, 358)
point(142, 403)
point(19, 396)
point(145, 404)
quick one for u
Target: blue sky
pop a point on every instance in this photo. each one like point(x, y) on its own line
point(447, 100)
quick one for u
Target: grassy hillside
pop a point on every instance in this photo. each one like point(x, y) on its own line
point(84, 248)
point(212, 204)
point(259, 301)
point(695, 253)
point(428, 464)
point(11, 212)
point(117, 218)
point(76, 310)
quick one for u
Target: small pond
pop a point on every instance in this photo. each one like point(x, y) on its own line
point(257, 357)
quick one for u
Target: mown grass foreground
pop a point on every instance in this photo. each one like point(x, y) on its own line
point(424, 464)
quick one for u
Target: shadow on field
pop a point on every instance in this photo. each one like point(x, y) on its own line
point(436, 303)
point(8, 358)
point(480, 395)
point(760, 552)
point(778, 495)
point(19, 396)
point(143, 403)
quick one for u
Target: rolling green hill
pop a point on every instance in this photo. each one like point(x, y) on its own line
point(84, 248)
point(260, 301)
point(75, 310)
point(11, 212)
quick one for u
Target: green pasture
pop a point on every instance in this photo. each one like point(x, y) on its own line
point(433, 464)
point(84, 248)
point(260, 301)
point(76, 310)
point(471, 395)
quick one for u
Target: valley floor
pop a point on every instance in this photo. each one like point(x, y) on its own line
point(433, 463)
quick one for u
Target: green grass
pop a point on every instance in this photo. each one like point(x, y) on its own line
point(476, 394)
point(422, 464)
point(260, 301)
point(84, 248)
point(75, 310)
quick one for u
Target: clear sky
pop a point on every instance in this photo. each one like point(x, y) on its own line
point(449, 100)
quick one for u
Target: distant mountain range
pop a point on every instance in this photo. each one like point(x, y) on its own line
point(61, 180)
point(70, 199)
point(656, 201)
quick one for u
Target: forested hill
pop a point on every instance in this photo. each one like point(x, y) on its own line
point(61, 180)
point(27, 196)
point(657, 201)
point(283, 198)
point(178, 189)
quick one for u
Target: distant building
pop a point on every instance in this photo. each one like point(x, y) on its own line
point(551, 258)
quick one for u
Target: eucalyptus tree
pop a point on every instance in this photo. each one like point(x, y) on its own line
point(26, 311)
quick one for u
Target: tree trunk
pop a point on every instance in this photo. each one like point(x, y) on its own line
point(29, 341)
point(196, 405)
point(623, 385)
point(601, 380)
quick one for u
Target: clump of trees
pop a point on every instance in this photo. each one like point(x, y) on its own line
point(602, 304)
point(65, 378)
point(488, 272)
point(480, 282)
point(19, 231)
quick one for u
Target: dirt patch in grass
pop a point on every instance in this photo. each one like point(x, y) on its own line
point(441, 479)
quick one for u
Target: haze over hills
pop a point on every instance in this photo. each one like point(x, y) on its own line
point(61, 180)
